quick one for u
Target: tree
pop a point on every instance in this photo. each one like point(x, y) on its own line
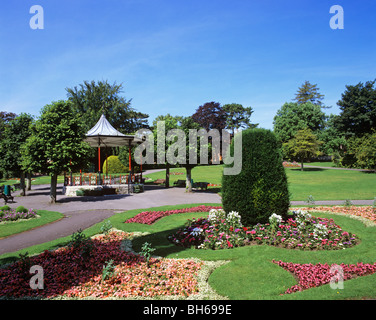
point(260, 189)
point(361, 152)
point(93, 99)
point(309, 93)
point(14, 135)
point(162, 151)
point(293, 117)
point(358, 109)
point(170, 122)
point(237, 116)
point(210, 116)
point(334, 142)
point(304, 146)
point(5, 118)
point(56, 143)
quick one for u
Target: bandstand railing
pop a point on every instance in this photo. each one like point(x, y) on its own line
point(94, 179)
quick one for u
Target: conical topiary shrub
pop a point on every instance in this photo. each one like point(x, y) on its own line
point(260, 189)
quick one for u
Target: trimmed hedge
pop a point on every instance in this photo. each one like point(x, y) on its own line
point(260, 189)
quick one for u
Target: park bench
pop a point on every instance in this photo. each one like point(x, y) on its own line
point(6, 198)
point(201, 185)
point(179, 183)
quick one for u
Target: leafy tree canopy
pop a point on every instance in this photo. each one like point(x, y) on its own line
point(304, 145)
point(358, 109)
point(92, 99)
point(293, 117)
point(210, 116)
point(56, 143)
point(309, 93)
point(237, 117)
point(14, 135)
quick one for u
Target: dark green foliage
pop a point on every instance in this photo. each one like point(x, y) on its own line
point(260, 189)
point(138, 188)
point(358, 109)
point(21, 209)
point(5, 208)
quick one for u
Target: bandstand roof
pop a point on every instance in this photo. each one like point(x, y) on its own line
point(103, 134)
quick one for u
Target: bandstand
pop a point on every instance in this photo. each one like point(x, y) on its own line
point(103, 134)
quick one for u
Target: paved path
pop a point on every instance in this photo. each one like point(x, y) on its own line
point(83, 212)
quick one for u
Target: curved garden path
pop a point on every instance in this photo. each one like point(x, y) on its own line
point(83, 212)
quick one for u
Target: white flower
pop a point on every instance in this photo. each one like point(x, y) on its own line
point(233, 218)
point(275, 219)
point(216, 215)
point(196, 232)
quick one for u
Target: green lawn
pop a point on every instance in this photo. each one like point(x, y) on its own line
point(250, 273)
point(322, 184)
point(9, 228)
point(35, 180)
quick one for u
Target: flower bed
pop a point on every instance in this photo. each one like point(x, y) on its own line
point(287, 164)
point(217, 231)
point(367, 212)
point(13, 215)
point(314, 275)
point(149, 217)
point(74, 272)
point(226, 231)
point(176, 173)
point(302, 232)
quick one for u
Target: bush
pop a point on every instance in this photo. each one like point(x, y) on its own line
point(260, 189)
point(138, 188)
point(5, 208)
point(114, 165)
point(21, 209)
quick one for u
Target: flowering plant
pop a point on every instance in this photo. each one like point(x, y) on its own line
point(218, 231)
point(108, 272)
point(314, 275)
point(13, 215)
point(149, 217)
point(302, 232)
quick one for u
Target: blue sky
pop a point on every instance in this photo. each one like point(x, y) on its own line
point(173, 56)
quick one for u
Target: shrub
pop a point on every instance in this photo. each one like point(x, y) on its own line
point(138, 188)
point(261, 186)
point(113, 165)
point(21, 209)
point(108, 270)
point(5, 208)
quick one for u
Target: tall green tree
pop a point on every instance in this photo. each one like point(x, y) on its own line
point(14, 135)
point(237, 117)
point(334, 141)
point(94, 98)
point(170, 122)
point(292, 117)
point(56, 143)
point(358, 109)
point(169, 145)
point(308, 92)
point(304, 146)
